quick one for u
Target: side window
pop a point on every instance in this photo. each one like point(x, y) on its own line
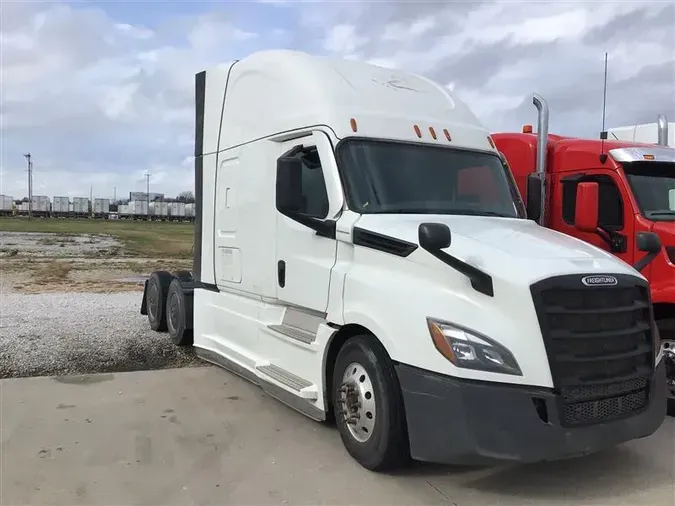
point(610, 214)
point(314, 193)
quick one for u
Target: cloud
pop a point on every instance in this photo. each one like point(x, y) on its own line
point(101, 92)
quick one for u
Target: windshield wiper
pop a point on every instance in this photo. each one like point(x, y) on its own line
point(661, 213)
point(466, 212)
point(481, 213)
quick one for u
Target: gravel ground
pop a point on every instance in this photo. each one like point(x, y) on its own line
point(62, 245)
point(81, 333)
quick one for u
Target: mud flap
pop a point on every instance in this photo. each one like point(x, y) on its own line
point(144, 303)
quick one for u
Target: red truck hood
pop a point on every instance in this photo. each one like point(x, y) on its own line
point(666, 232)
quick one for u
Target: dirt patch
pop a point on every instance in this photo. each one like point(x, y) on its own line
point(96, 275)
point(36, 245)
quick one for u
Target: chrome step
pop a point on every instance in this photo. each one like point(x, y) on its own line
point(305, 388)
point(294, 333)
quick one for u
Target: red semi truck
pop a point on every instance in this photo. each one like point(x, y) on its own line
point(604, 192)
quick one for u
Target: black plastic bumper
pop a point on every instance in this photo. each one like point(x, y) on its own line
point(453, 421)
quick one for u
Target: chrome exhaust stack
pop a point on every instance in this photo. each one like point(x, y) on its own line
point(542, 148)
point(662, 124)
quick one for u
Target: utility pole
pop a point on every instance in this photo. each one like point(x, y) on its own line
point(147, 194)
point(30, 185)
point(114, 194)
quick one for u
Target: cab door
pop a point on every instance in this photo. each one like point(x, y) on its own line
point(615, 215)
point(305, 258)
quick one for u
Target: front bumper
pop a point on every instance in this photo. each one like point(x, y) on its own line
point(454, 421)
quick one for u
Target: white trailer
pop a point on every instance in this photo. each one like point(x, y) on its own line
point(41, 205)
point(6, 205)
point(101, 206)
point(80, 206)
point(61, 206)
point(190, 211)
point(177, 211)
point(138, 208)
point(341, 264)
point(661, 132)
point(124, 211)
point(159, 210)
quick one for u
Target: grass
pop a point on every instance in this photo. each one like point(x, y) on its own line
point(140, 238)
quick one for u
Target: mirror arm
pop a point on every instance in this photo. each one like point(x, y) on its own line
point(613, 239)
point(323, 228)
point(480, 281)
point(645, 261)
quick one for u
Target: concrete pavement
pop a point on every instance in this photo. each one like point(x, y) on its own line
point(203, 436)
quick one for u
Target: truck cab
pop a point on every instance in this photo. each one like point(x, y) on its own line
point(361, 253)
point(607, 192)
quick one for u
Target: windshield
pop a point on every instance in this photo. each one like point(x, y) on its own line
point(405, 178)
point(653, 184)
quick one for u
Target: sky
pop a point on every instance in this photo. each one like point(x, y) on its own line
point(102, 92)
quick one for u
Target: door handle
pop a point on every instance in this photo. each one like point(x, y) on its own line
point(281, 273)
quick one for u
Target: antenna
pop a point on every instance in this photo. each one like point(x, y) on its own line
point(603, 133)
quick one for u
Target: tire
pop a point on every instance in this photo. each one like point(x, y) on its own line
point(379, 439)
point(177, 315)
point(183, 275)
point(158, 287)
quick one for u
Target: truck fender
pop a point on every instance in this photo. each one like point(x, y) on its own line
point(362, 319)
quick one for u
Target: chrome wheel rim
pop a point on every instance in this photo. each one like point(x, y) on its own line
point(173, 311)
point(357, 402)
point(153, 300)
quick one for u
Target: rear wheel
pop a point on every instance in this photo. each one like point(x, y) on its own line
point(368, 405)
point(177, 315)
point(155, 297)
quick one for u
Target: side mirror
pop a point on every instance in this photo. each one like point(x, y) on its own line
point(648, 242)
point(533, 197)
point(434, 236)
point(587, 205)
point(289, 184)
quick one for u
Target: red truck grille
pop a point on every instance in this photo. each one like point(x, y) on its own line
point(600, 346)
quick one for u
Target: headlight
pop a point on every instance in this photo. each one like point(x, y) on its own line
point(470, 350)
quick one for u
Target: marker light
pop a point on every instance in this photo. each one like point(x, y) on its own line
point(648, 157)
point(527, 129)
point(417, 131)
point(432, 132)
point(352, 122)
point(447, 134)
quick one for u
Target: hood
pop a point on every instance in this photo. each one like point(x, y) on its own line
point(503, 247)
point(665, 230)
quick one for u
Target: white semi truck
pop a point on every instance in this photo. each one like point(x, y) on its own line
point(662, 132)
point(362, 253)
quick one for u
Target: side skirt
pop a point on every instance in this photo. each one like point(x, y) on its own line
point(292, 401)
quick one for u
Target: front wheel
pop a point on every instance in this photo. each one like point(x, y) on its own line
point(368, 405)
point(669, 358)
